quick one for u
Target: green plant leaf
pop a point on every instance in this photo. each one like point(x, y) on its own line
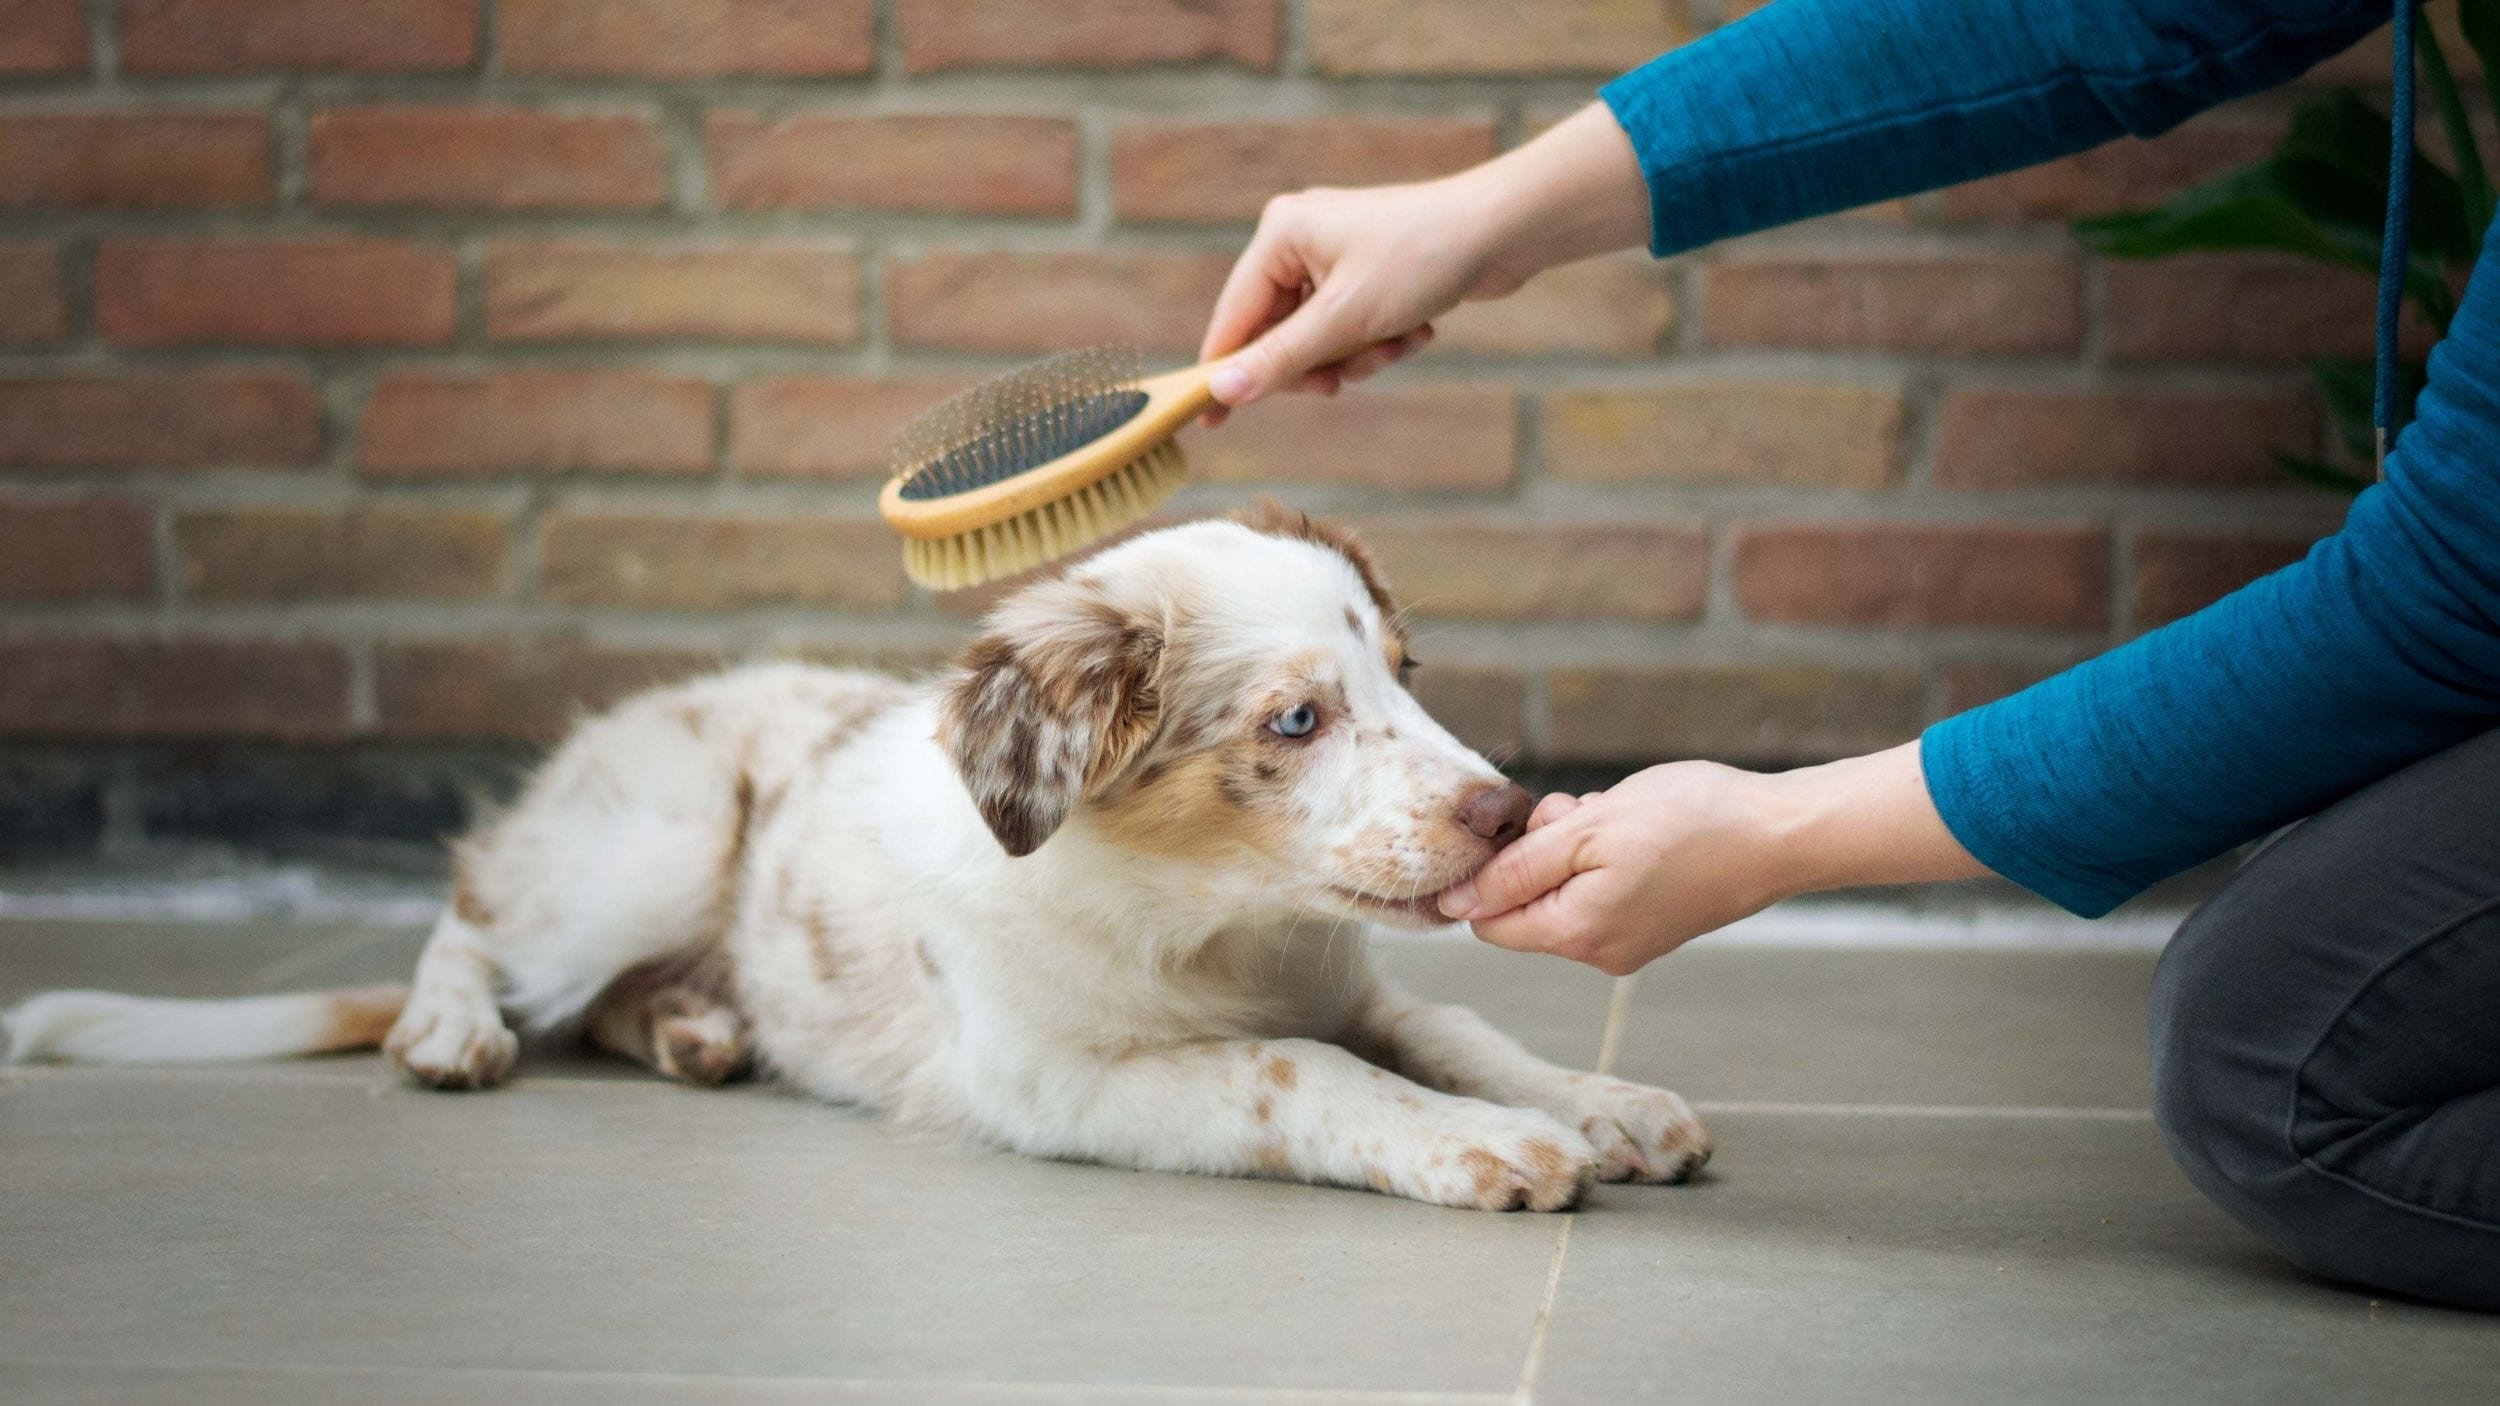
point(2338, 144)
point(2321, 473)
point(2473, 186)
point(2265, 206)
point(2480, 19)
point(2321, 195)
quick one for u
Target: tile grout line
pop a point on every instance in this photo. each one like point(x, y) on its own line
point(1544, 1315)
point(1115, 1391)
point(1618, 1011)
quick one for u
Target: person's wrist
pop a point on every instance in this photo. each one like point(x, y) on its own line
point(1861, 822)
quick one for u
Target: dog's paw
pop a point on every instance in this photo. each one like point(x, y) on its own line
point(703, 1048)
point(1640, 1133)
point(452, 1047)
point(1507, 1159)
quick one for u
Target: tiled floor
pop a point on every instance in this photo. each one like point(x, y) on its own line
point(1935, 1182)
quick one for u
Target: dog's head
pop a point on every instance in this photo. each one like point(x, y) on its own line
point(1231, 694)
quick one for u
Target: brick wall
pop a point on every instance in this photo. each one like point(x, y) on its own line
point(389, 377)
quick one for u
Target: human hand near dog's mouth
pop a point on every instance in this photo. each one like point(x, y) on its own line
point(1620, 877)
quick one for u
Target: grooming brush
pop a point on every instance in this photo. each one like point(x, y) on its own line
point(1026, 468)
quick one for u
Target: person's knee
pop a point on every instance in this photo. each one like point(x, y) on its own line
point(2219, 1088)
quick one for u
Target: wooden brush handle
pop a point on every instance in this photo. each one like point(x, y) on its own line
point(1172, 400)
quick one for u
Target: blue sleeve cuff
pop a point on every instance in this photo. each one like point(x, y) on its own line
point(1969, 777)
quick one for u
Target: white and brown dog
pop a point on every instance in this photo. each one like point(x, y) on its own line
point(1097, 894)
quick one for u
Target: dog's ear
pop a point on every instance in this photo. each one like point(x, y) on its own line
point(1058, 695)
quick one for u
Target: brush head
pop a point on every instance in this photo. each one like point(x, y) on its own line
point(1034, 464)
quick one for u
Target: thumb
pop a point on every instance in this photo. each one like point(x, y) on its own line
point(1308, 339)
point(1536, 864)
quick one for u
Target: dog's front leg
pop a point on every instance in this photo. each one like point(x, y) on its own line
point(1640, 1133)
point(1294, 1109)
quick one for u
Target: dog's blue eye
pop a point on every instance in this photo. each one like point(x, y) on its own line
point(1297, 723)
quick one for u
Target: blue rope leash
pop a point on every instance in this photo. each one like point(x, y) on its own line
point(2395, 251)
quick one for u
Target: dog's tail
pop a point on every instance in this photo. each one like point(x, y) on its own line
point(105, 1027)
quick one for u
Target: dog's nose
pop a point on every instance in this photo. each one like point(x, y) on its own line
point(1497, 813)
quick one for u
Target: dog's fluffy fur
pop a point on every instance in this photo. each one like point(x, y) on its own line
point(1085, 897)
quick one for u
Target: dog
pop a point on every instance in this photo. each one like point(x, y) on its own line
point(1097, 894)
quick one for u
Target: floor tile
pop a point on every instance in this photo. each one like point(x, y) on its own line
point(636, 1227)
point(1880, 1259)
point(1913, 1027)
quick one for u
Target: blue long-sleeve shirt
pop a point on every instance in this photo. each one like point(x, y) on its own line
point(2379, 648)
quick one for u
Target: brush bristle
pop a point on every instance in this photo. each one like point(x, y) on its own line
point(1015, 422)
point(1050, 531)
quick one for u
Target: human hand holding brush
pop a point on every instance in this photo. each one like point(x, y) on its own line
point(1338, 284)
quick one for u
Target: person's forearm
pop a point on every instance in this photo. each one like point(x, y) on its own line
point(1812, 106)
point(1858, 823)
point(1573, 192)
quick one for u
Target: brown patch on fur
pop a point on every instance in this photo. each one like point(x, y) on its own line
point(1488, 1170)
point(1273, 1160)
point(1278, 1070)
point(467, 906)
point(1203, 806)
point(820, 948)
point(1021, 709)
point(1266, 1110)
point(1545, 1156)
point(1354, 622)
point(1377, 1179)
point(358, 1020)
point(1276, 520)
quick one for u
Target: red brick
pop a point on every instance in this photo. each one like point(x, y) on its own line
point(1771, 432)
point(314, 293)
point(1598, 307)
point(2180, 573)
point(156, 160)
point(813, 426)
point(2125, 174)
point(1976, 306)
point(297, 554)
point(1970, 685)
point(1215, 171)
point(1755, 714)
point(2003, 437)
point(688, 38)
point(166, 420)
point(1491, 36)
point(2231, 307)
point(39, 37)
point(288, 690)
point(75, 548)
point(31, 306)
point(1417, 437)
point(1483, 708)
point(259, 36)
point(717, 563)
point(941, 34)
point(512, 690)
point(1988, 576)
point(543, 422)
point(489, 157)
point(1039, 303)
point(830, 161)
point(578, 292)
point(1520, 570)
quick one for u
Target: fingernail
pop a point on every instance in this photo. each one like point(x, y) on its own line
point(1230, 383)
point(1459, 900)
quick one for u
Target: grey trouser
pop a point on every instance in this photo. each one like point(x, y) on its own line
point(2326, 1036)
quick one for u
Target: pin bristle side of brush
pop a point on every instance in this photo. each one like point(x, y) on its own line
point(1024, 469)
